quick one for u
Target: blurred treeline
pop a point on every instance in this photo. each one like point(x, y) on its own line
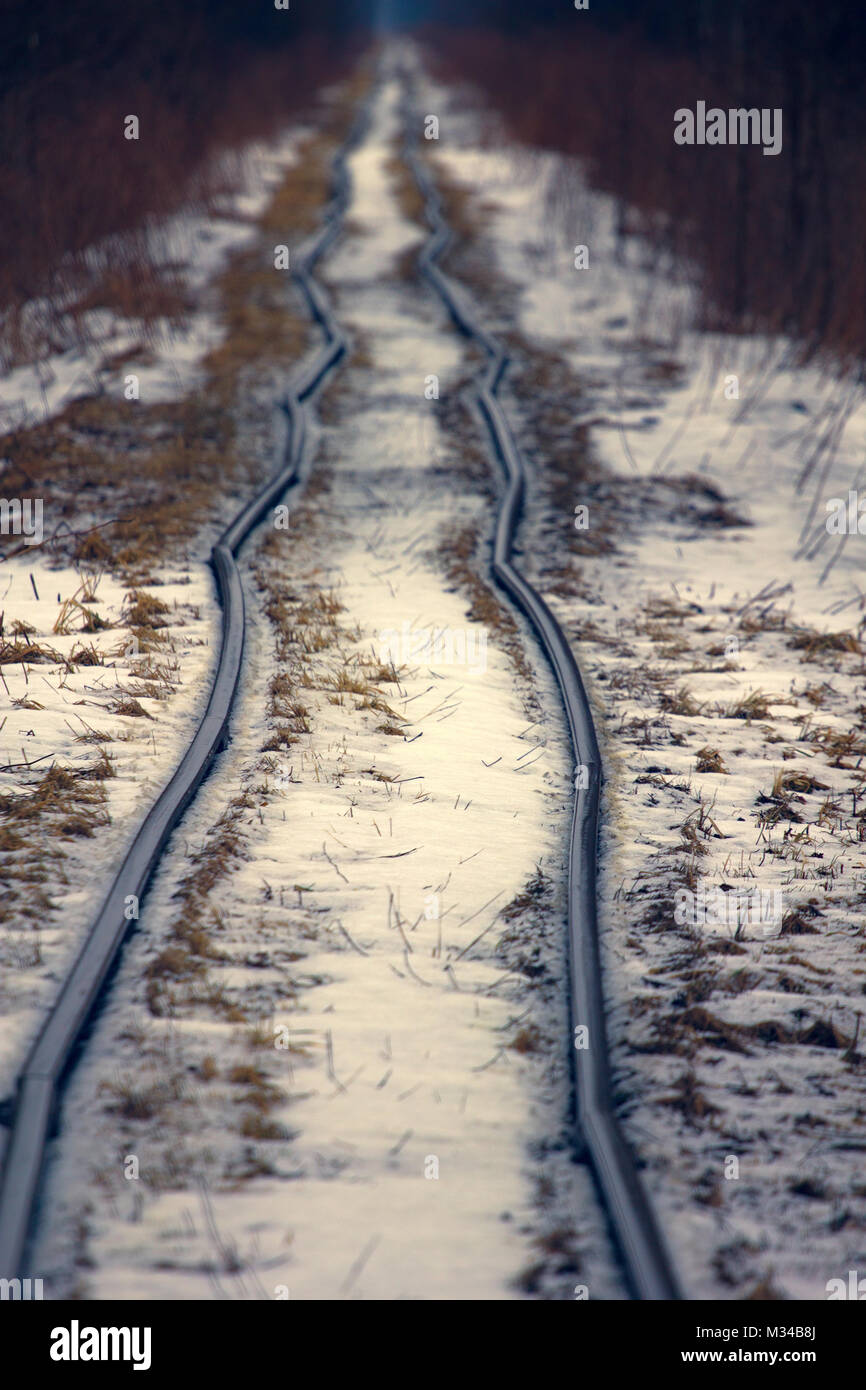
point(201, 75)
point(778, 241)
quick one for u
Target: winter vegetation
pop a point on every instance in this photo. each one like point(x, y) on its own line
point(337, 1055)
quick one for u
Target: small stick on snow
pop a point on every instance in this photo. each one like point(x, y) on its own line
point(404, 1139)
point(359, 1264)
point(14, 767)
point(353, 944)
point(476, 939)
point(473, 915)
point(425, 983)
point(329, 1048)
point(333, 865)
point(493, 1060)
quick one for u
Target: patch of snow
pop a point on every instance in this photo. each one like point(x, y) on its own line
point(716, 609)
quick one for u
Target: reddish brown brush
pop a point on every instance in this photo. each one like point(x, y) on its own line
point(72, 182)
point(775, 242)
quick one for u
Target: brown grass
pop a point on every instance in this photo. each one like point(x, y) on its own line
point(175, 452)
point(459, 552)
point(61, 198)
point(63, 804)
point(710, 760)
point(755, 705)
point(768, 256)
point(816, 646)
point(680, 701)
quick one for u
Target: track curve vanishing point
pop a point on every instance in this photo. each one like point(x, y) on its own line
point(647, 1263)
point(51, 1056)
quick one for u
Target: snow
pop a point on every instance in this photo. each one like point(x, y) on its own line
point(426, 1154)
point(71, 703)
point(145, 751)
point(365, 972)
point(63, 705)
point(195, 245)
point(660, 402)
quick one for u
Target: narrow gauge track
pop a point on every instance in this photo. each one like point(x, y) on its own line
point(646, 1262)
point(33, 1109)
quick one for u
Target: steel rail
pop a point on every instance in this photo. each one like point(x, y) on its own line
point(33, 1109)
point(646, 1261)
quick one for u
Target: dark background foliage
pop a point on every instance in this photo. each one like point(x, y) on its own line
point(202, 76)
point(777, 242)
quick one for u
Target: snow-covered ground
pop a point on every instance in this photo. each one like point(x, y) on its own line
point(366, 1094)
point(724, 660)
point(85, 695)
point(192, 247)
point(333, 1061)
point(77, 684)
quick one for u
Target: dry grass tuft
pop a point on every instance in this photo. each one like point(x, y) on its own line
point(459, 552)
point(679, 701)
point(815, 646)
point(755, 705)
point(143, 610)
point(710, 760)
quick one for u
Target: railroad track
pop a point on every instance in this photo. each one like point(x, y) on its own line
point(646, 1263)
point(31, 1113)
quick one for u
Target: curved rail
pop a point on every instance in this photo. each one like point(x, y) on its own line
point(646, 1262)
point(51, 1056)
